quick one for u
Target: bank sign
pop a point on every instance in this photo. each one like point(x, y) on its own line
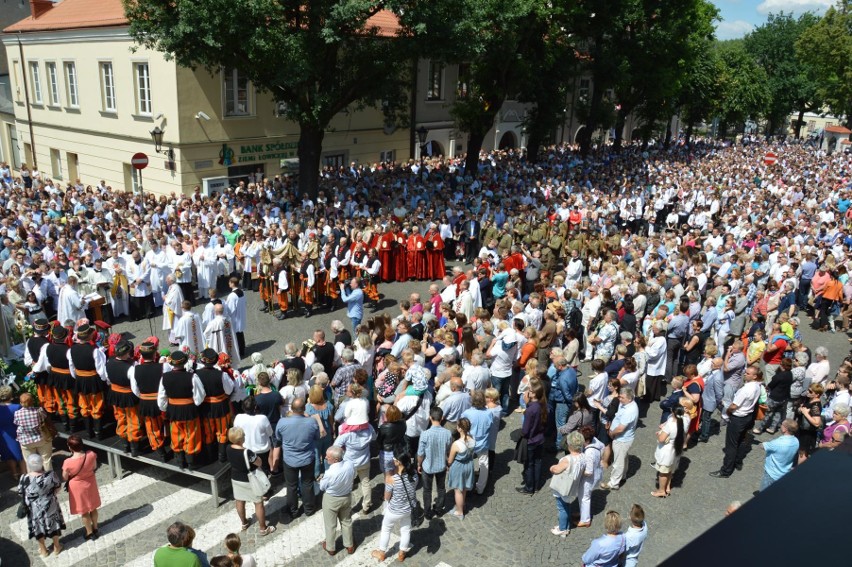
point(252, 153)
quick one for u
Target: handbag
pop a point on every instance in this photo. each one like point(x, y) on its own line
point(23, 510)
point(258, 481)
point(417, 514)
point(47, 428)
point(641, 386)
point(760, 413)
point(565, 484)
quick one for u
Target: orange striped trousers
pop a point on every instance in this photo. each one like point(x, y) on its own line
point(127, 424)
point(186, 436)
point(282, 300)
point(48, 397)
point(154, 431)
point(69, 405)
point(216, 429)
point(91, 405)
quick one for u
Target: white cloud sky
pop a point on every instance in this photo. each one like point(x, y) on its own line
point(733, 29)
point(796, 6)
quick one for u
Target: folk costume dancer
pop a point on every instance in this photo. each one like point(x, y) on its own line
point(215, 412)
point(145, 380)
point(125, 405)
point(87, 364)
point(282, 277)
point(372, 267)
point(53, 359)
point(308, 282)
point(32, 352)
point(180, 394)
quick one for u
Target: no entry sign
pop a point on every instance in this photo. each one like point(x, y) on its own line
point(770, 158)
point(139, 161)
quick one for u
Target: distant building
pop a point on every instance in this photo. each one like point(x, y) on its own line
point(83, 103)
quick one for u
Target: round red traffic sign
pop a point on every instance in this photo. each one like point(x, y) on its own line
point(770, 158)
point(139, 161)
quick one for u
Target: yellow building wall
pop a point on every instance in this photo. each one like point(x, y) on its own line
point(96, 144)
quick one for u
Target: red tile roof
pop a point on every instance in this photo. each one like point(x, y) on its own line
point(80, 14)
point(838, 130)
point(74, 14)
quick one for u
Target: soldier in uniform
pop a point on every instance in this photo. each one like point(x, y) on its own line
point(489, 232)
point(32, 352)
point(125, 405)
point(555, 244)
point(215, 412)
point(87, 363)
point(180, 394)
point(54, 358)
point(145, 381)
point(505, 242)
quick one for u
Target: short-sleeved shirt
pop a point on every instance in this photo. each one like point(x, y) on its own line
point(297, 436)
point(775, 356)
point(175, 557)
point(403, 493)
point(746, 398)
point(780, 453)
point(627, 415)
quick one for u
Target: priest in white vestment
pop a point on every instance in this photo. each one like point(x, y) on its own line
point(219, 335)
point(205, 263)
point(120, 290)
point(158, 259)
point(172, 306)
point(235, 303)
point(71, 306)
point(189, 331)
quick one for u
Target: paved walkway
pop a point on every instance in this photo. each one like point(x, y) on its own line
point(502, 528)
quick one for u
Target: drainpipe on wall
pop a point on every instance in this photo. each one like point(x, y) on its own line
point(413, 111)
point(27, 102)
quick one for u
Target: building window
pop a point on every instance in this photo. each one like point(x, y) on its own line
point(55, 164)
point(236, 86)
point(435, 87)
point(143, 89)
point(387, 156)
point(71, 85)
point(35, 80)
point(16, 71)
point(334, 160)
point(463, 83)
point(107, 87)
point(53, 84)
point(583, 91)
point(811, 125)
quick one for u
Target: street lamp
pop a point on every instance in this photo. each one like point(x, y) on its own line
point(157, 136)
point(422, 133)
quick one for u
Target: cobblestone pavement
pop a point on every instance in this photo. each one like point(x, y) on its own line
point(503, 527)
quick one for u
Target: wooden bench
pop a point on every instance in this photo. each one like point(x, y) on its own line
point(114, 449)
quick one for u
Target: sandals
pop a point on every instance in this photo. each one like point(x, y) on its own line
point(659, 494)
point(245, 525)
point(378, 554)
point(267, 531)
point(57, 549)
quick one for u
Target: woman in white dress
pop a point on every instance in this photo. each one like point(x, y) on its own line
point(669, 448)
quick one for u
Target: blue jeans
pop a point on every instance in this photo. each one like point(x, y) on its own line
point(563, 510)
point(560, 413)
point(501, 384)
point(355, 322)
point(706, 424)
point(766, 482)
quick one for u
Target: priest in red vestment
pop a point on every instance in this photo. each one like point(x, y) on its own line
point(416, 255)
point(435, 269)
point(400, 256)
point(384, 241)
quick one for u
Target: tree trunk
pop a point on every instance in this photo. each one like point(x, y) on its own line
point(668, 140)
point(592, 122)
point(620, 120)
point(310, 152)
point(533, 145)
point(474, 146)
point(799, 120)
point(689, 128)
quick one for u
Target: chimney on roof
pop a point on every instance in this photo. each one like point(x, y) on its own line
point(40, 7)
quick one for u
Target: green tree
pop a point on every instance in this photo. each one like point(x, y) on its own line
point(827, 47)
point(791, 81)
point(319, 57)
point(743, 89)
point(701, 88)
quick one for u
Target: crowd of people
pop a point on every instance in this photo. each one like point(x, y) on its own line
point(680, 275)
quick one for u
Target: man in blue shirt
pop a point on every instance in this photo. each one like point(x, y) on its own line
point(622, 430)
point(807, 271)
point(354, 300)
point(562, 391)
point(298, 436)
point(432, 452)
point(357, 446)
point(780, 453)
point(480, 427)
point(337, 502)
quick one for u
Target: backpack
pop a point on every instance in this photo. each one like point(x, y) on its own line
point(574, 319)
